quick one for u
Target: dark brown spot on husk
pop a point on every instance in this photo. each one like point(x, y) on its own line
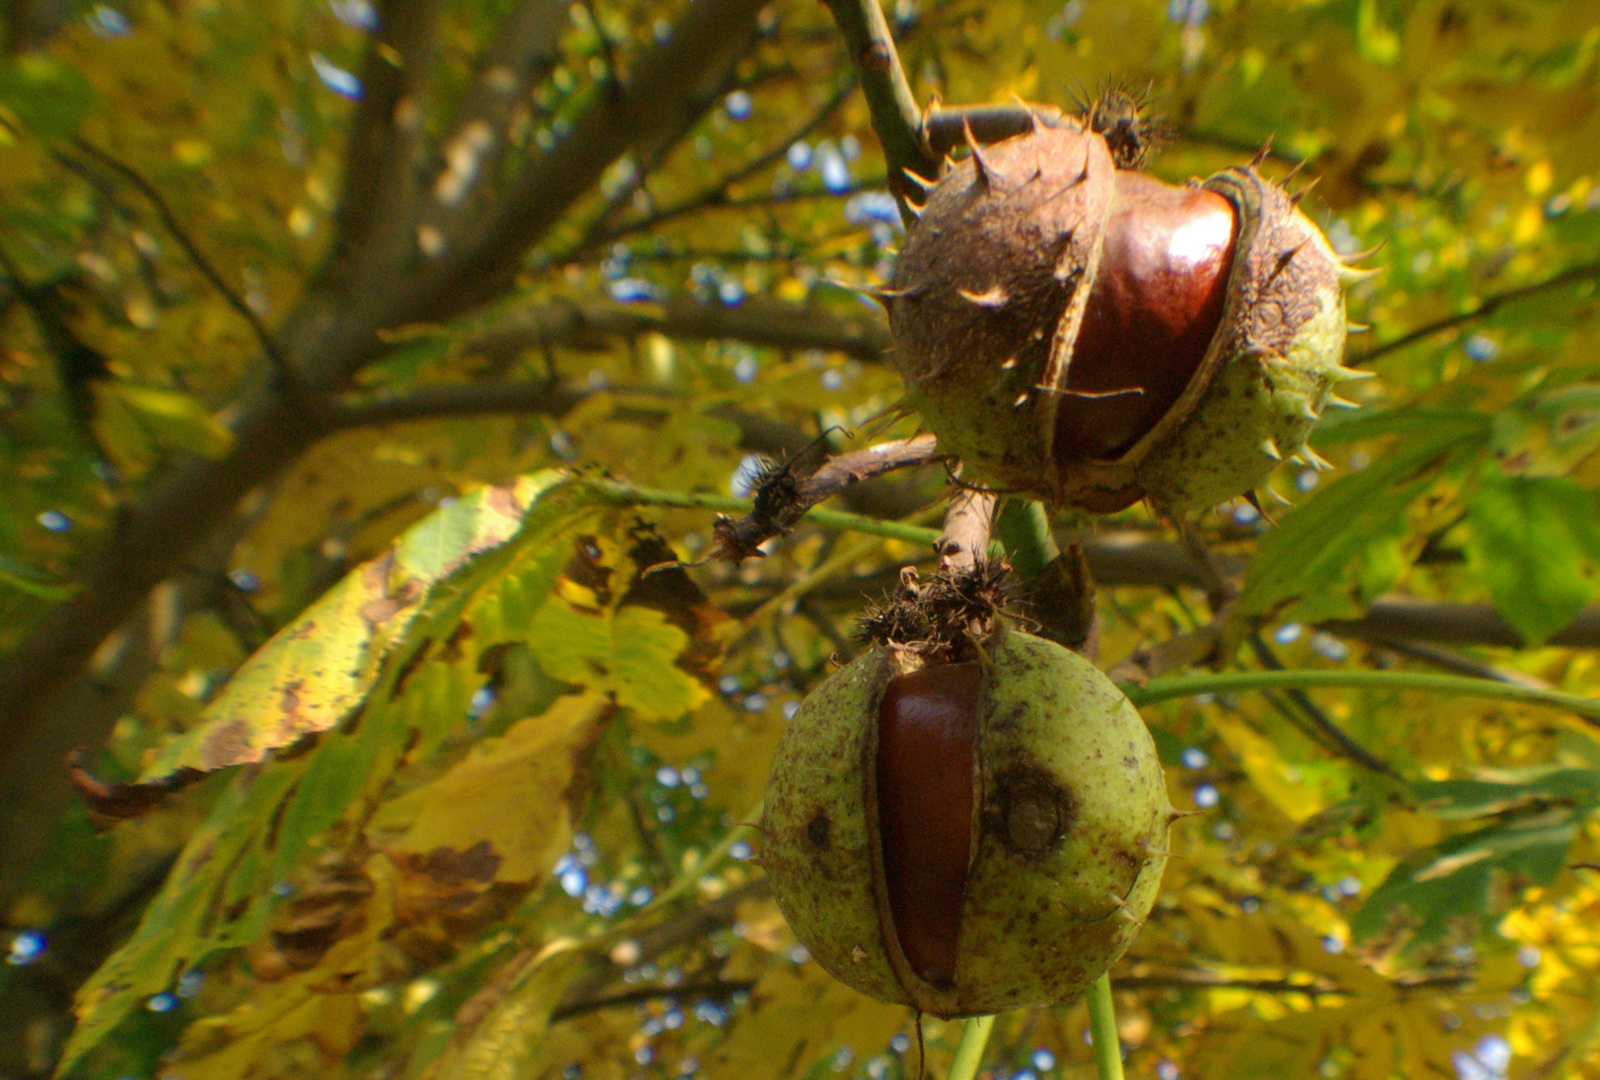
point(817, 830)
point(1032, 813)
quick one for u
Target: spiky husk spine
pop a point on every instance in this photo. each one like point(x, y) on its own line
point(989, 293)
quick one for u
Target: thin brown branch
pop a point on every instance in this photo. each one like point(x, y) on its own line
point(896, 117)
point(1205, 980)
point(186, 243)
point(1456, 624)
point(611, 80)
point(692, 924)
point(1488, 306)
point(599, 234)
point(789, 488)
point(1150, 661)
point(1311, 984)
point(1459, 663)
point(1317, 725)
point(650, 156)
point(747, 202)
point(458, 400)
point(712, 988)
point(756, 321)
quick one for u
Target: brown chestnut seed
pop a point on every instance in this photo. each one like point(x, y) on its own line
point(1097, 337)
point(1153, 310)
point(927, 722)
point(1046, 834)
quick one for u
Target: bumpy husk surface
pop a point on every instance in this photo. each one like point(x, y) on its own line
point(988, 296)
point(1048, 907)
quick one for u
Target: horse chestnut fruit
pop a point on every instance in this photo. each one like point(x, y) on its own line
point(967, 837)
point(1094, 336)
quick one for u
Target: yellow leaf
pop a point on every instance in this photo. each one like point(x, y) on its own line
point(1275, 778)
point(510, 1036)
point(500, 814)
point(169, 418)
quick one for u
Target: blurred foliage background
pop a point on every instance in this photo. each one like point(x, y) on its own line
point(287, 283)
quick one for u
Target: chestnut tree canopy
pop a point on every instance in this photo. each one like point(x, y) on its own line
point(373, 372)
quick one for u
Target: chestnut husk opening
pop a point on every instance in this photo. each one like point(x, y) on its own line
point(990, 309)
point(1068, 819)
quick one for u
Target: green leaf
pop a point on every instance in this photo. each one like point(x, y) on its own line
point(1456, 800)
point(168, 418)
point(45, 95)
point(1376, 42)
point(349, 652)
point(172, 934)
point(1532, 541)
point(632, 654)
point(1307, 555)
point(1472, 876)
point(1350, 425)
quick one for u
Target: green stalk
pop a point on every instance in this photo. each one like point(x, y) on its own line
point(1024, 528)
point(1163, 689)
point(629, 495)
point(1103, 1029)
point(974, 1037)
point(1223, 682)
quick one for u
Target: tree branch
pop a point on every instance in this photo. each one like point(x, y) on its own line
point(667, 79)
point(201, 263)
point(712, 988)
point(747, 202)
point(375, 223)
point(457, 400)
point(1490, 304)
point(1322, 730)
point(788, 489)
point(520, 56)
point(599, 235)
point(1456, 624)
point(756, 321)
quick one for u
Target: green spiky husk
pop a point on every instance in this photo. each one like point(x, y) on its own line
point(1037, 927)
point(1023, 228)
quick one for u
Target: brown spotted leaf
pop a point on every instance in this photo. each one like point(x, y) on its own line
point(501, 815)
point(317, 670)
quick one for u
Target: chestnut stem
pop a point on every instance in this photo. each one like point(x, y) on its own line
point(1103, 1029)
point(798, 489)
point(969, 1052)
point(1024, 528)
point(896, 118)
point(968, 523)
